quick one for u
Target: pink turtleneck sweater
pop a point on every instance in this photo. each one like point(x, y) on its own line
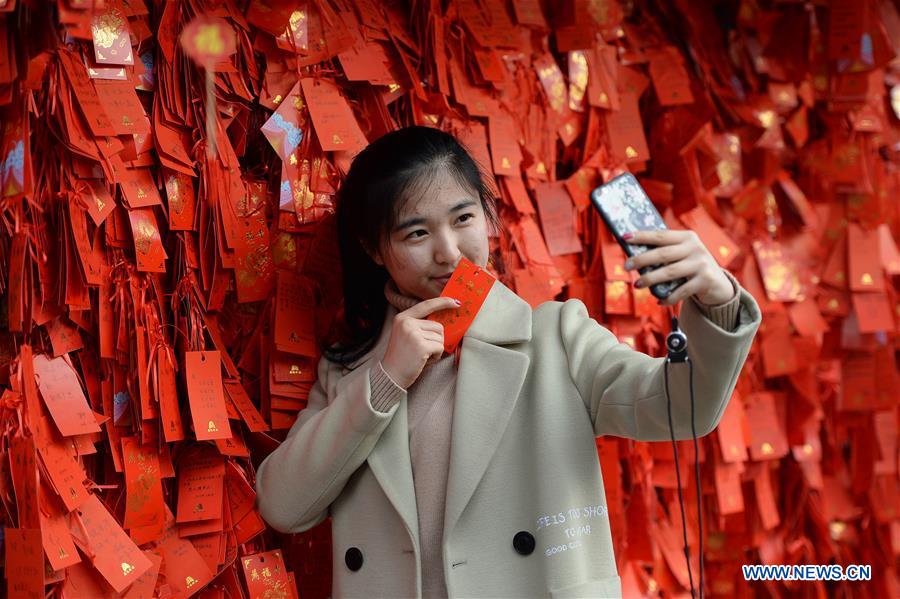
point(430, 416)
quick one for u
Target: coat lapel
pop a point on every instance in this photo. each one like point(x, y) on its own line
point(487, 386)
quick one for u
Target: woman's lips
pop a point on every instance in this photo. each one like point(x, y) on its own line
point(443, 280)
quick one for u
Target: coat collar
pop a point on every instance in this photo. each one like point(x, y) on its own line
point(488, 383)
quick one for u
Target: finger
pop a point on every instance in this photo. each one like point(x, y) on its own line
point(431, 336)
point(661, 255)
point(658, 237)
point(683, 292)
point(430, 325)
point(677, 270)
point(424, 308)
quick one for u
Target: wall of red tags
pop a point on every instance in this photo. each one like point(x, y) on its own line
point(167, 249)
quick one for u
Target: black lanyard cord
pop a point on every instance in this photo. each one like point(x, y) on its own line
point(676, 346)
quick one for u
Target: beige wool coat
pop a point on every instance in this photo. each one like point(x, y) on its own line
point(526, 507)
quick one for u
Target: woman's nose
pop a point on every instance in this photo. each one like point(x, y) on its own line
point(446, 250)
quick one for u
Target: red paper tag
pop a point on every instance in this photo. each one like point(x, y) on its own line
point(149, 251)
point(116, 556)
point(203, 374)
point(24, 473)
point(24, 563)
point(294, 316)
point(336, 127)
point(265, 574)
point(469, 284)
point(505, 152)
point(200, 485)
point(557, 218)
point(112, 37)
point(62, 393)
point(245, 407)
point(184, 568)
point(144, 497)
point(58, 544)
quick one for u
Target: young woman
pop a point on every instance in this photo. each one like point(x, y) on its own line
point(482, 479)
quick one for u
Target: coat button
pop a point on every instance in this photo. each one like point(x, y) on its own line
point(523, 542)
point(353, 558)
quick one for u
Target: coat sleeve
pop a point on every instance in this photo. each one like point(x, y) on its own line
point(624, 390)
point(329, 441)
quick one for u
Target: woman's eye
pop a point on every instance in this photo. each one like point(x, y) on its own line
point(413, 234)
point(465, 215)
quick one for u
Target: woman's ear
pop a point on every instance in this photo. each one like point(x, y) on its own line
point(374, 255)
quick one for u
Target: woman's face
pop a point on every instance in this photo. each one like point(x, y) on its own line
point(433, 232)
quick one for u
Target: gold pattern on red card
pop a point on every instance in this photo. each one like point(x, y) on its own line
point(112, 36)
point(469, 284)
point(149, 251)
point(266, 575)
point(778, 274)
point(144, 503)
point(203, 376)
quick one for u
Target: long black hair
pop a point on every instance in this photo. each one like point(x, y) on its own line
point(381, 178)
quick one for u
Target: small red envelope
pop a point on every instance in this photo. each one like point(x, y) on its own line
point(469, 284)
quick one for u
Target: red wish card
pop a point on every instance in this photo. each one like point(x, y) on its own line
point(203, 374)
point(144, 499)
point(24, 563)
point(112, 37)
point(336, 127)
point(114, 555)
point(265, 574)
point(201, 480)
point(62, 393)
point(469, 284)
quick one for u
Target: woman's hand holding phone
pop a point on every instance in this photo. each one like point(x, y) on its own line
point(415, 342)
point(682, 255)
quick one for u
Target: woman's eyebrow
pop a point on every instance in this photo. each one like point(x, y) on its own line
point(410, 222)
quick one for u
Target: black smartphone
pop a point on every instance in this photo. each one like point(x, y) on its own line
point(624, 207)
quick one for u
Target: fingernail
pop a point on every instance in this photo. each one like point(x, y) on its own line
point(457, 302)
point(639, 283)
point(627, 236)
point(629, 264)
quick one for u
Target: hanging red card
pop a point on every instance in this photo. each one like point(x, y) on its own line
point(61, 390)
point(144, 493)
point(768, 440)
point(670, 77)
point(469, 284)
point(778, 271)
point(557, 218)
point(24, 473)
point(245, 407)
point(294, 315)
point(265, 574)
point(115, 556)
point(505, 152)
point(112, 36)
point(201, 482)
point(864, 259)
point(626, 131)
point(149, 251)
point(336, 127)
point(24, 571)
point(184, 568)
point(720, 245)
point(203, 377)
